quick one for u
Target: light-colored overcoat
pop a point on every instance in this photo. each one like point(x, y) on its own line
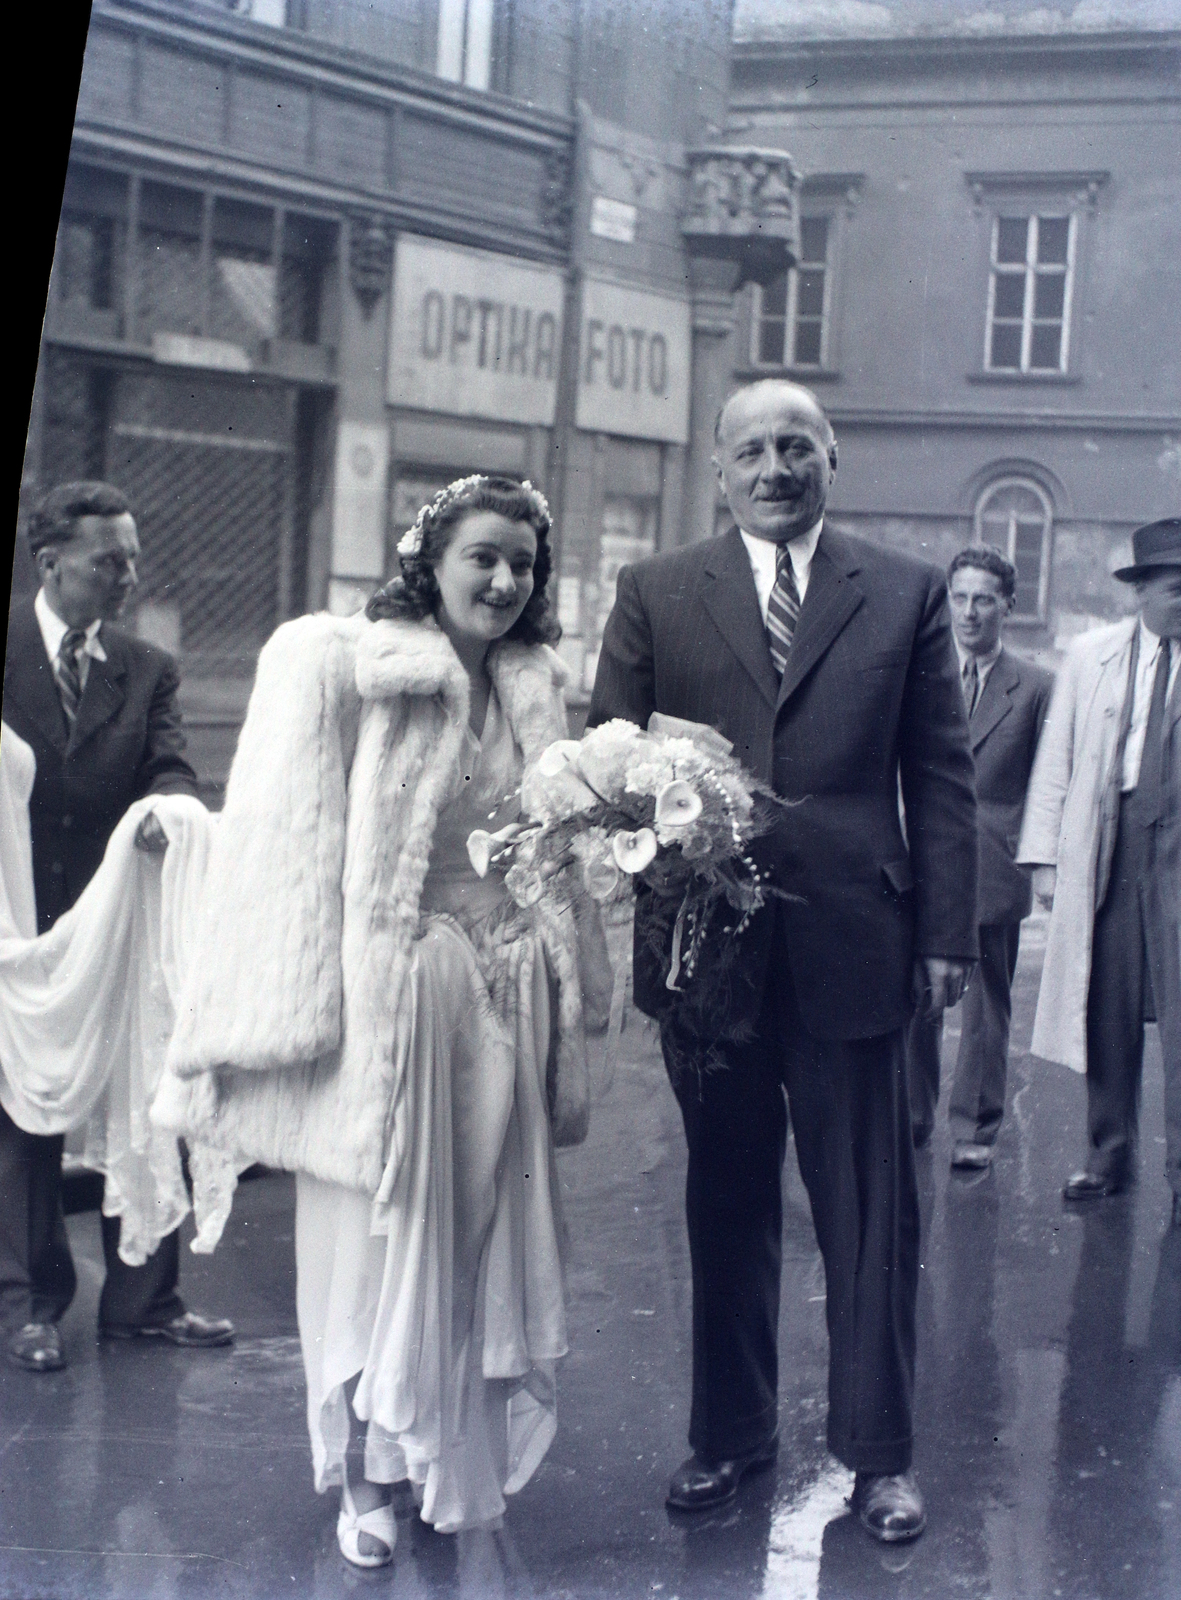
point(1071, 813)
point(283, 1044)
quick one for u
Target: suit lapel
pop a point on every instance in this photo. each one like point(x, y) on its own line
point(728, 594)
point(995, 702)
point(830, 600)
point(103, 694)
point(28, 678)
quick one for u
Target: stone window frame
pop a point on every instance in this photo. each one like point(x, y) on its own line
point(995, 484)
point(1034, 194)
point(835, 197)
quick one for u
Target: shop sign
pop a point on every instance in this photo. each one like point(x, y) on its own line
point(633, 364)
point(613, 219)
point(474, 334)
point(358, 502)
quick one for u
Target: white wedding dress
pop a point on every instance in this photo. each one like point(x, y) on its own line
point(444, 1292)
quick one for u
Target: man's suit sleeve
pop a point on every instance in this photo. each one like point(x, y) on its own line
point(164, 769)
point(625, 681)
point(939, 788)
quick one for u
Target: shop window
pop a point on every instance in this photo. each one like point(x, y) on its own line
point(243, 298)
point(409, 494)
point(791, 313)
point(169, 260)
point(86, 262)
point(1030, 284)
point(308, 243)
point(630, 527)
point(204, 265)
point(1015, 516)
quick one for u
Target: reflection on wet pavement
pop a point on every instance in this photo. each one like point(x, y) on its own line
point(1048, 1402)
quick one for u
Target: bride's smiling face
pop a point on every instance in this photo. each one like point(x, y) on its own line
point(485, 575)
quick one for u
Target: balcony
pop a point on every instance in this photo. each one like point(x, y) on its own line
point(193, 90)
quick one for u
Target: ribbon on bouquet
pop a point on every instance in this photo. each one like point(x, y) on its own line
point(674, 970)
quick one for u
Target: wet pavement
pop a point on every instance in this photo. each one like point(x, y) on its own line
point(1048, 1401)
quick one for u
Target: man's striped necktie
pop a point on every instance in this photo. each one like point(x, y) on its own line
point(69, 674)
point(783, 609)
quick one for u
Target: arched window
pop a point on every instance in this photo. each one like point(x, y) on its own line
point(1015, 516)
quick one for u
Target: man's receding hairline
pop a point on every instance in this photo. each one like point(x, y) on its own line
point(799, 389)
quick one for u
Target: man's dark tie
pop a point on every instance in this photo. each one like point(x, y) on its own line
point(971, 681)
point(1154, 775)
point(69, 674)
point(783, 609)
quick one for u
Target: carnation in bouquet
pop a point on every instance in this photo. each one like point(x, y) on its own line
point(670, 809)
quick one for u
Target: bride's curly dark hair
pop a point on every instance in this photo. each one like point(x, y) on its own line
point(414, 593)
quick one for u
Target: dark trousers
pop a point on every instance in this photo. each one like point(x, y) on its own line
point(851, 1121)
point(37, 1278)
point(982, 1064)
point(1133, 974)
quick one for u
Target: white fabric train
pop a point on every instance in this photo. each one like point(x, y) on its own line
point(87, 1009)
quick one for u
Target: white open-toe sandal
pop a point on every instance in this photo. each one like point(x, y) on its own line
point(379, 1524)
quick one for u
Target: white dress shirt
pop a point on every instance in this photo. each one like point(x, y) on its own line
point(54, 630)
point(762, 554)
point(1151, 645)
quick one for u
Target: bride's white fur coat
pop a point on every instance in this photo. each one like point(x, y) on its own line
point(283, 1045)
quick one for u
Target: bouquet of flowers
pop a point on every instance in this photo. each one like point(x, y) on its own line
point(669, 808)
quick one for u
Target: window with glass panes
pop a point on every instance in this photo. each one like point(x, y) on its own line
point(789, 328)
point(466, 41)
point(1014, 516)
point(1029, 293)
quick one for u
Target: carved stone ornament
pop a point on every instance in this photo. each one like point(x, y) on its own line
point(555, 201)
point(371, 252)
point(743, 207)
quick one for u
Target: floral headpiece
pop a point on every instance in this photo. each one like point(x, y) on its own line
point(411, 541)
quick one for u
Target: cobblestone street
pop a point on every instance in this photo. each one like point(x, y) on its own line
point(1049, 1400)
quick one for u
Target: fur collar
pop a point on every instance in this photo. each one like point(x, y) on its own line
point(417, 658)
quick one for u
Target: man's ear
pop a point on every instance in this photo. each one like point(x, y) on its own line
point(45, 561)
point(832, 458)
point(718, 473)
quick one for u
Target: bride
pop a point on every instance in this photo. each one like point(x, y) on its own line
point(367, 1011)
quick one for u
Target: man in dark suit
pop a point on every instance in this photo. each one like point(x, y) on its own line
point(1006, 701)
point(827, 662)
point(98, 707)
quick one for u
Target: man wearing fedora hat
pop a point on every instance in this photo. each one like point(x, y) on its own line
point(1102, 831)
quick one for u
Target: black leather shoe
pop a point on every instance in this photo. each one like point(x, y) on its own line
point(37, 1347)
point(697, 1487)
point(1091, 1186)
point(190, 1330)
point(889, 1505)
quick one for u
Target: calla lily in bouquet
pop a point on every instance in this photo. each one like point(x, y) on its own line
point(669, 808)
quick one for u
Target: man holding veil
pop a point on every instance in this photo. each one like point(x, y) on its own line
point(97, 707)
point(827, 662)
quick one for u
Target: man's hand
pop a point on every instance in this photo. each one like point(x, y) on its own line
point(939, 983)
point(1045, 881)
point(150, 836)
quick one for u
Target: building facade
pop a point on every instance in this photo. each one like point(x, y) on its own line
point(988, 293)
point(317, 258)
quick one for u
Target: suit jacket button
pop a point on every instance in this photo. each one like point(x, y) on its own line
point(67, 822)
point(57, 869)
